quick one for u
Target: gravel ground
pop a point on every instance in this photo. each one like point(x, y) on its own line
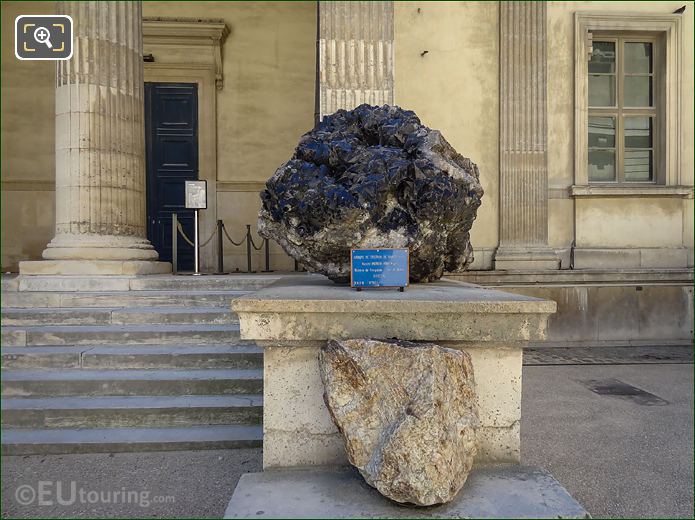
point(618, 458)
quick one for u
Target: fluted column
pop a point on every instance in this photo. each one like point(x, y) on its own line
point(355, 54)
point(523, 139)
point(100, 152)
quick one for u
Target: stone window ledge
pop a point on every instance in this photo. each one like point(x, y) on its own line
point(631, 191)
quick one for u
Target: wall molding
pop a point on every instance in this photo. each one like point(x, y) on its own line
point(594, 190)
point(28, 185)
point(188, 33)
point(242, 186)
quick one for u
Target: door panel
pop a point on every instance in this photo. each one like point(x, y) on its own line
point(171, 135)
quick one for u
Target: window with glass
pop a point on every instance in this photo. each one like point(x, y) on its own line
point(622, 111)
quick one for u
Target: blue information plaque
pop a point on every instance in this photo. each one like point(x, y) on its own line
point(379, 268)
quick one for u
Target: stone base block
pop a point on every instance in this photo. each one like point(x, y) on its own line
point(298, 429)
point(340, 492)
point(93, 267)
point(514, 260)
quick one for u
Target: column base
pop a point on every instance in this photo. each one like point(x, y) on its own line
point(93, 267)
point(514, 259)
point(91, 246)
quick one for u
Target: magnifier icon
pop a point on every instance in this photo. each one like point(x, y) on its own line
point(42, 35)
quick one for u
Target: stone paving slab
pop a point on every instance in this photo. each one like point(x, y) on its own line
point(340, 492)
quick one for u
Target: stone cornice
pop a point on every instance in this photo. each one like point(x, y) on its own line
point(631, 191)
point(250, 186)
point(189, 32)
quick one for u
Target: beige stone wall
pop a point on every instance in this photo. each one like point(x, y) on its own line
point(28, 144)
point(454, 88)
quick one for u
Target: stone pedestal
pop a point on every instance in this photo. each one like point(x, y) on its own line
point(100, 151)
point(291, 320)
point(305, 467)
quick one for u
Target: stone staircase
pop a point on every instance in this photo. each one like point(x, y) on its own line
point(95, 364)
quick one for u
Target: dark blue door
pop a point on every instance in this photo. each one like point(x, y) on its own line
point(171, 138)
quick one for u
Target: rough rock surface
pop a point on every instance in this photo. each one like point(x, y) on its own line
point(368, 178)
point(408, 414)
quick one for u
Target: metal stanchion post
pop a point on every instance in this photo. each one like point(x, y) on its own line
point(174, 243)
point(248, 249)
point(267, 256)
point(196, 251)
point(220, 249)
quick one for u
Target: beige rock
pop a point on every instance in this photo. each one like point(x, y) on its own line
point(407, 412)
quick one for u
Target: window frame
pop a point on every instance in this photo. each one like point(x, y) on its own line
point(619, 111)
point(665, 31)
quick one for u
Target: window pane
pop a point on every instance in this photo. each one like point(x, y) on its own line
point(638, 165)
point(638, 91)
point(638, 57)
point(601, 132)
point(602, 58)
point(601, 91)
point(601, 165)
point(638, 132)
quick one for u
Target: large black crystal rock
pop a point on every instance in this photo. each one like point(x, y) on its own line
point(373, 177)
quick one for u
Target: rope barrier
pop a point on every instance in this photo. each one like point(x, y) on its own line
point(178, 226)
point(254, 244)
point(190, 242)
point(214, 231)
point(230, 238)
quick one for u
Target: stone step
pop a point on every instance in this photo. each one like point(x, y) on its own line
point(132, 411)
point(119, 335)
point(116, 316)
point(84, 382)
point(240, 355)
point(231, 282)
point(115, 299)
point(60, 441)
point(9, 282)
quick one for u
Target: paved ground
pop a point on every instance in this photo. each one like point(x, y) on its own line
point(617, 457)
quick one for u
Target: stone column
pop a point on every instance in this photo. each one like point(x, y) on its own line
point(523, 139)
point(100, 152)
point(355, 54)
